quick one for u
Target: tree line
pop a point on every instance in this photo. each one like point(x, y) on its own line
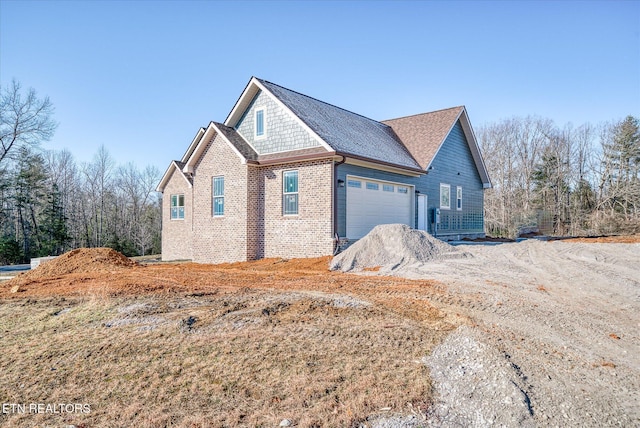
point(50, 204)
point(568, 180)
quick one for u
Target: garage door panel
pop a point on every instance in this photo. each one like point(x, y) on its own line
point(368, 206)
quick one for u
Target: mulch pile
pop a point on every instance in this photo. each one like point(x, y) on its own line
point(82, 260)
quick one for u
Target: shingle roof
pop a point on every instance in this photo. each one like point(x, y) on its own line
point(423, 133)
point(238, 142)
point(346, 132)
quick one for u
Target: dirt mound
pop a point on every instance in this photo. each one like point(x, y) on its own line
point(390, 246)
point(82, 260)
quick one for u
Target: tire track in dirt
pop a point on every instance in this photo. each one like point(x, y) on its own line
point(553, 310)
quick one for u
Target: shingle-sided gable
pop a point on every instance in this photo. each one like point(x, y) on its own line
point(282, 132)
point(346, 132)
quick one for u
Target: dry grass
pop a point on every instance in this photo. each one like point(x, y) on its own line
point(231, 345)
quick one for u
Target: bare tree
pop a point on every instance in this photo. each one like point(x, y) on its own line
point(25, 120)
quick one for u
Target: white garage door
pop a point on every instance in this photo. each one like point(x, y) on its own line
point(372, 202)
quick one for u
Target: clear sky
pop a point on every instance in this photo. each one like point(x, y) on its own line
point(142, 77)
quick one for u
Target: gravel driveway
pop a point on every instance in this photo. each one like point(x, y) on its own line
point(556, 336)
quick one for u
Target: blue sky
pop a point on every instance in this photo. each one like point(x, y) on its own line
point(142, 77)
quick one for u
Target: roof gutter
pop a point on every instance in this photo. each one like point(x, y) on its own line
point(295, 158)
point(388, 164)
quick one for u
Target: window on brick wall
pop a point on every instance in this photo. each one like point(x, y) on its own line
point(260, 122)
point(218, 196)
point(290, 192)
point(177, 207)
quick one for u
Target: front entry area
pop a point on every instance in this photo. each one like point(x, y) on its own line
point(373, 202)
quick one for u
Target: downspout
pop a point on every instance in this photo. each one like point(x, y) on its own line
point(335, 203)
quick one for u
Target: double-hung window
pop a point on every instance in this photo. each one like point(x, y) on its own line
point(290, 192)
point(459, 198)
point(260, 123)
point(445, 196)
point(218, 196)
point(177, 207)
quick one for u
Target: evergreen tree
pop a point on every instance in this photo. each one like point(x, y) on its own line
point(621, 177)
point(53, 225)
point(28, 197)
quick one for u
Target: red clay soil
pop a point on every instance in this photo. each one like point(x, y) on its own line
point(622, 239)
point(103, 272)
point(79, 261)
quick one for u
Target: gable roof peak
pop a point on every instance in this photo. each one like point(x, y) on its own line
point(442, 110)
point(317, 100)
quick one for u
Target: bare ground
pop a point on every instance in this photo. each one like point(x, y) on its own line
point(246, 344)
point(526, 334)
point(559, 319)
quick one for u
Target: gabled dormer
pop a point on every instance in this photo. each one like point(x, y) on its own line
point(267, 124)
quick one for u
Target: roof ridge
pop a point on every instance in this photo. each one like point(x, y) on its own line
point(420, 114)
point(323, 102)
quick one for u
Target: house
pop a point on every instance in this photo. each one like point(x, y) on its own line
point(287, 175)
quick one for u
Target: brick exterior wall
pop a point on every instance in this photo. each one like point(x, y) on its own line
point(218, 239)
point(308, 234)
point(253, 225)
point(177, 234)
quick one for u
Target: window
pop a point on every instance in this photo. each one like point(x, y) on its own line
point(177, 207)
point(445, 196)
point(459, 198)
point(402, 189)
point(218, 196)
point(372, 186)
point(260, 131)
point(290, 192)
point(354, 183)
point(387, 188)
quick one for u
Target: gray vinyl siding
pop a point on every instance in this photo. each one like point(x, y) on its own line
point(453, 165)
point(346, 169)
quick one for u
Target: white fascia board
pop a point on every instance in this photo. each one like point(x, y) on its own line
point(197, 151)
point(243, 102)
point(167, 175)
point(243, 160)
point(475, 149)
point(247, 96)
point(295, 117)
point(473, 146)
point(193, 145)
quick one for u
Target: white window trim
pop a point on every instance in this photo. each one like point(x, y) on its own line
point(177, 195)
point(459, 198)
point(264, 123)
point(448, 187)
point(214, 196)
point(284, 193)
